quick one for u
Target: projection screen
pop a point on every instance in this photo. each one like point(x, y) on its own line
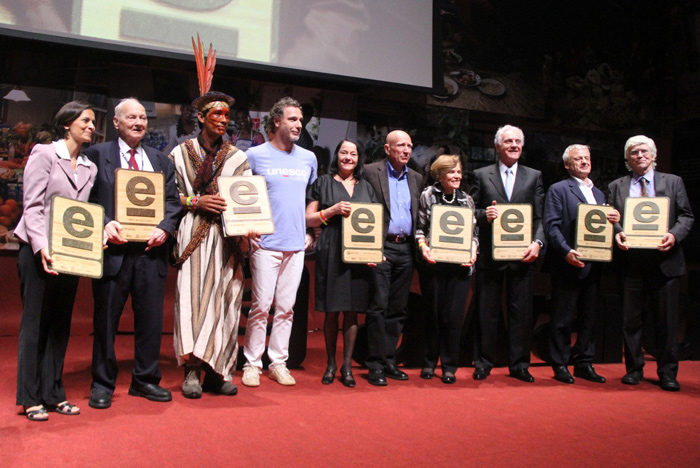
point(388, 41)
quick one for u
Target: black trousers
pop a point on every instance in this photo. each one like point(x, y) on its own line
point(663, 292)
point(139, 278)
point(489, 285)
point(446, 289)
point(570, 296)
point(391, 285)
point(44, 331)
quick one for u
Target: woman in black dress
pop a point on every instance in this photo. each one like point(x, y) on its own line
point(444, 285)
point(340, 287)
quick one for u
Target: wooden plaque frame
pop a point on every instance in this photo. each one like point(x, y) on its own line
point(456, 246)
point(645, 221)
point(363, 234)
point(138, 211)
point(594, 233)
point(248, 208)
point(75, 237)
point(510, 245)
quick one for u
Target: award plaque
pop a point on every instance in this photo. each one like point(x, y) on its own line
point(247, 205)
point(645, 221)
point(594, 234)
point(363, 233)
point(512, 231)
point(139, 202)
point(75, 237)
point(451, 229)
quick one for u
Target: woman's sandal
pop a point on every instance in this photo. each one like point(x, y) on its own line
point(67, 409)
point(36, 413)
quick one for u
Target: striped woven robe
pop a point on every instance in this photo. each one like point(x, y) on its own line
point(210, 281)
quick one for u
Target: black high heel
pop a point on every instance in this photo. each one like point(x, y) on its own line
point(346, 377)
point(328, 376)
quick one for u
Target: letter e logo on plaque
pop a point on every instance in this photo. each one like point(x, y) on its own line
point(594, 234)
point(363, 238)
point(645, 221)
point(451, 229)
point(512, 231)
point(140, 202)
point(247, 205)
point(75, 239)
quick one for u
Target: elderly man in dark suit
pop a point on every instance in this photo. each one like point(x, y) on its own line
point(651, 271)
point(138, 269)
point(507, 181)
point(574, 282)
point(397, 188)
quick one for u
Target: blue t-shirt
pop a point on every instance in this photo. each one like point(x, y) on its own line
point(287, 176)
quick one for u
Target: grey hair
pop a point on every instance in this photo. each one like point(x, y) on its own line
point(639, 140)
point(277, 110)
point(118, 107)
point(570, 148)
point(498, 139)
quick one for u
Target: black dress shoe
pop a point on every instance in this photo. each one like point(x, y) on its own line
point(100, 399)
point(376, 377)
point(328, 376)
point(588, 373)
point(632, 378)
point(346, 377)
point(150, 391)
point(669, 384)
point(427, 373)
point(562, 374)
point(449, 378)
point(480, 373)
point(523, 374)
point(395, 373)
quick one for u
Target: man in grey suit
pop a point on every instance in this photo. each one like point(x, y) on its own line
point(655, 271)
point(397, 188)
point(138, 269)
point(507, 181)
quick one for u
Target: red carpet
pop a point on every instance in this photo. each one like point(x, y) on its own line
point(498, 422)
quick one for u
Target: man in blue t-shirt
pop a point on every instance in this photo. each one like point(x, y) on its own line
point(277, 260)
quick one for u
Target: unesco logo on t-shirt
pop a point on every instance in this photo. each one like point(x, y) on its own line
point(296, 174)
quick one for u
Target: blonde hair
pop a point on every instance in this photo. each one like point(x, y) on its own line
point(444, 163)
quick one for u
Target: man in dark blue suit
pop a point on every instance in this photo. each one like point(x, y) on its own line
point(574, 283)
point(138, 269)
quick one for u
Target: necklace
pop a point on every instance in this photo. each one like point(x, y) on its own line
point(449, 202)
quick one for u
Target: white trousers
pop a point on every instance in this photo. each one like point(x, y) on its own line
point(276, 277)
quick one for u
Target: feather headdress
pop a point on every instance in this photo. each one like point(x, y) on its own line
point(205, 75)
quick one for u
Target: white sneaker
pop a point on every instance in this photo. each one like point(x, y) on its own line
point(251, 376)
point(281, 374)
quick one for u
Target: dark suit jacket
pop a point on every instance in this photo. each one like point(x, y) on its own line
point(487, 187)
point(680, 221)
point(560, 209)
point(106, 157)
point(376, 175)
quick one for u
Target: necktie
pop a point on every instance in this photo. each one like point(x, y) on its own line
point(645, 189)
point(132, 160)
point(510, 179)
